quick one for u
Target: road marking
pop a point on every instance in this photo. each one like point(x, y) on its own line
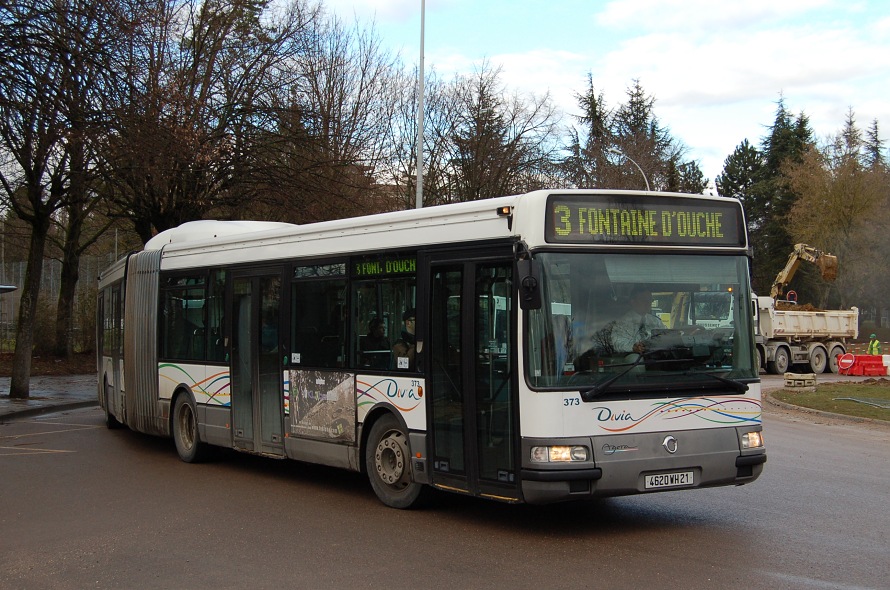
point(81, 427)
point(19, 452)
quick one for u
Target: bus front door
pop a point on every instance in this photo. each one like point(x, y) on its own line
point(257, 397)
point(471, 377)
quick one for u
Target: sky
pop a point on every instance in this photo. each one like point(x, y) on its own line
point(716, 68)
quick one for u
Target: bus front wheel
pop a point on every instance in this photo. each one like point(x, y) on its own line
point(185, 431)
point(388, 462)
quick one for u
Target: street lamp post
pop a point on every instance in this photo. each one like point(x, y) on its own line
point(419, 195)
point(620, 154)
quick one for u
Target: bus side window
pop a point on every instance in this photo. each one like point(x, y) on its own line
point(216, 344)
point(319, 328)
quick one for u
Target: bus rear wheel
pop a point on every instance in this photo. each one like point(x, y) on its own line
point(110, 420)
point(185, 431)
point(388, 462)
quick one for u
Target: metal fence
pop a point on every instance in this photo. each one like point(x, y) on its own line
point(13, 273)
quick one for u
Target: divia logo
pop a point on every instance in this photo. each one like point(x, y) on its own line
point(607, 415)
point(402, 394)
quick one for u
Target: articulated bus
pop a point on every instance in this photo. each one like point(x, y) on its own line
point(468, 347)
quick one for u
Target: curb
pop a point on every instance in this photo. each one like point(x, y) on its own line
point(843, 417)
point(49, 409)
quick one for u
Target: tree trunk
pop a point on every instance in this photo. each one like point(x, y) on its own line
point(64, 345)
point(19, 386)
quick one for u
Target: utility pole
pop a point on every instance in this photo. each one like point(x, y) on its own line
point(420, 75)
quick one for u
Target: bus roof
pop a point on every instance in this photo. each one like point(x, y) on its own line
point(510, 217)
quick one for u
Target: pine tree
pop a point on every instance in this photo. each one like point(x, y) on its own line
point(874, 147)
point(741, 170)
point(586, 163)
point(771, 199)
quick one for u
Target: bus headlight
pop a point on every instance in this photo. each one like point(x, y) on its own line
point(558, 454)
point(752, 440)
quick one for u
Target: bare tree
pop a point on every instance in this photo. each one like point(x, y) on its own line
point(347, 91)
point(92, 30)
point(840, 199)
point(46, 46)
point(195, 76)
point(401, 167)
point(499, 144)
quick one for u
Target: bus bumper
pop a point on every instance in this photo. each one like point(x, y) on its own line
point(643, 463)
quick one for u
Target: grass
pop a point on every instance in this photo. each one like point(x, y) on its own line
point(826, 398)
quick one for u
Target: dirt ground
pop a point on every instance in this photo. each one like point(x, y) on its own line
point(81, 364)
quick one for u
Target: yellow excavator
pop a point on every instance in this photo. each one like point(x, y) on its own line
point(826, 262)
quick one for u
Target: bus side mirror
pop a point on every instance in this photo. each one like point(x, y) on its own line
point(529, 284)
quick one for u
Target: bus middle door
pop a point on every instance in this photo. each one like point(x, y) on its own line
point(472, 408)
point(257, 398)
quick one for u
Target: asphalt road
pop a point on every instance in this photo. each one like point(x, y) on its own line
point(83, 506)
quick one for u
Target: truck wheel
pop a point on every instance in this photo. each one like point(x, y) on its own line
point(836, 351)
point(780, 362)
point(388, 462)
point(818, 360)
point(758, 359)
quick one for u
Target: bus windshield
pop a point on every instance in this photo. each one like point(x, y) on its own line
point(641, 323)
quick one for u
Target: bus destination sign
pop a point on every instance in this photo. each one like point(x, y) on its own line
point(643, 220)
point(382, 266)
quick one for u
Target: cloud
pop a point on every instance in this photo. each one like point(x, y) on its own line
point(716, 69)
point(691, 15)
point(394, 11)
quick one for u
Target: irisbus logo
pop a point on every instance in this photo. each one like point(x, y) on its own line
point(612, 449)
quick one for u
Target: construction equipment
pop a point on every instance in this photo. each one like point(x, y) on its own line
point(826, 262)
point(787, 334)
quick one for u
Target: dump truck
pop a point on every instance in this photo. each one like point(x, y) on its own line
point(791, 334)
point(787, 334)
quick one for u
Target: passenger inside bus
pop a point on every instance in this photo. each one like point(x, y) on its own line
point(403, 350)
point(375, 346)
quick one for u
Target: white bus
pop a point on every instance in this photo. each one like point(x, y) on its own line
point(296, 342)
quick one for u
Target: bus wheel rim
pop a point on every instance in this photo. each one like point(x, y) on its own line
point(390, 459)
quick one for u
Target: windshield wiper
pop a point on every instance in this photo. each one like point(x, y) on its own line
point(737, 386)
point(601, 388)
point(588, 395)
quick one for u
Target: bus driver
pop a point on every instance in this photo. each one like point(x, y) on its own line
point(631, 331)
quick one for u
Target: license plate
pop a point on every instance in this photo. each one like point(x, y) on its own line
point(669, 480)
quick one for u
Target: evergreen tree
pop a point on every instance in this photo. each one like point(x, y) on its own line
point(640, 136)
point(874, 147)
point(741, 170)
point(605, 140)
point(771, 198)
point(586, 164)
